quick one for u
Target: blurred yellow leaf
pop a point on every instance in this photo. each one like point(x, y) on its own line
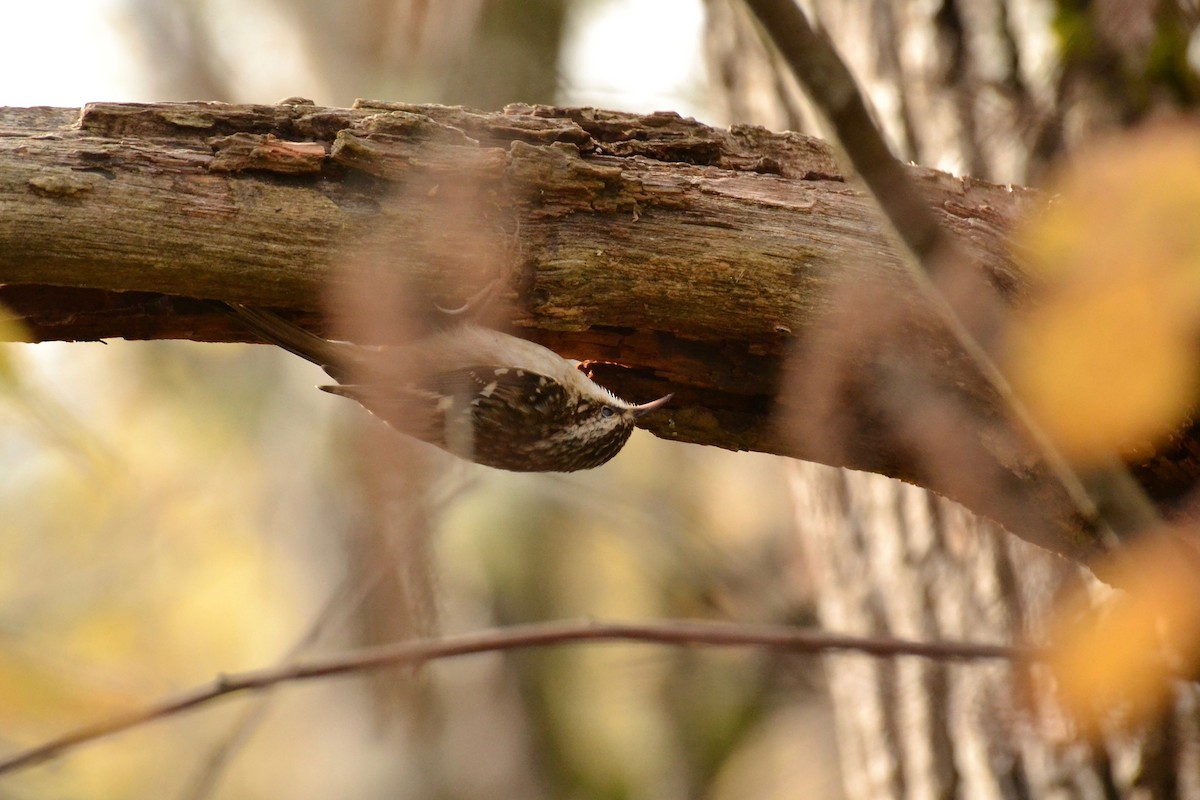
point(1106, 355)
point(1123, 656)
point(1105, 369)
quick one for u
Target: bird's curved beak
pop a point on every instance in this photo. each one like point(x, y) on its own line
point(653, 405)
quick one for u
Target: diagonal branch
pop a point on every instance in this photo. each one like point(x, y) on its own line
point(1107, 498)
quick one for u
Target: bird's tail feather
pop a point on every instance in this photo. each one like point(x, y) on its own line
point(278, 331)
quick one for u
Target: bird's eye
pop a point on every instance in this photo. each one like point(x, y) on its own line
point(606, 411)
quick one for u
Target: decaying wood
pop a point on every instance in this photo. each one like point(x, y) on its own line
point(703, 261)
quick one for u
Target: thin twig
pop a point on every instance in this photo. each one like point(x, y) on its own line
point(1108, 497)
point(348, 598)
point(665, 632)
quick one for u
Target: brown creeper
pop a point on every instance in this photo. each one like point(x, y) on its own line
point(477, 393)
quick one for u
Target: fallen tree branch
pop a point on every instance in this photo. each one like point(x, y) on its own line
point(702, 261)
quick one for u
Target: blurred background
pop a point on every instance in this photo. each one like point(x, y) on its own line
point(170, 510)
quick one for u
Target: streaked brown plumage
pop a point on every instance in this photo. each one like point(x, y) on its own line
point(483, 395)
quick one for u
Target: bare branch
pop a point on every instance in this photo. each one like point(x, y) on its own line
point(669, 632)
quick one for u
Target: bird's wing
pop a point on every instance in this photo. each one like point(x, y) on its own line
point(461, 409)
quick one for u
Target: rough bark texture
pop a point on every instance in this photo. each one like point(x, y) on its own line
point(893, 560)
point(700, 259)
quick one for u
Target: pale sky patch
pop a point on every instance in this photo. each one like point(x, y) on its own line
point(67, 53)
point(636, 55)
